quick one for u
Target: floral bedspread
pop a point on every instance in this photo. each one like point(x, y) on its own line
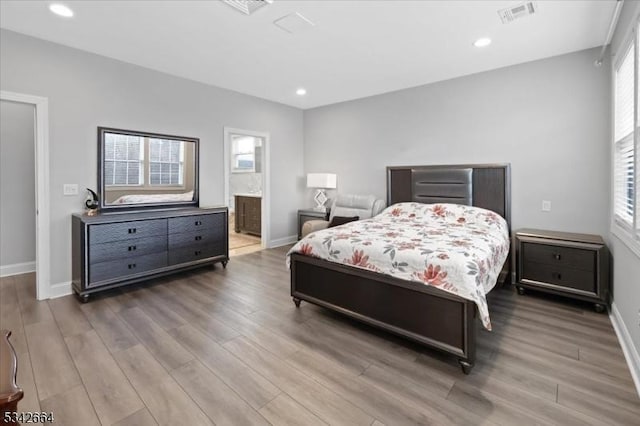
point(458, 249)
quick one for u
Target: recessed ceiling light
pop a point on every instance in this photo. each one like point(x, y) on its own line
point(301, 91)
point(482, 42)
point(61, 10)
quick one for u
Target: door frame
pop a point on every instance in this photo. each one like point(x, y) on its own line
point(266, 181)
point(43, 231)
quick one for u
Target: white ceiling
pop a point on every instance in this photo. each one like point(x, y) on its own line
point(356, 49)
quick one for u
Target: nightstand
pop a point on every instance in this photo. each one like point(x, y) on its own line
point(572, 265)
point(310, 214)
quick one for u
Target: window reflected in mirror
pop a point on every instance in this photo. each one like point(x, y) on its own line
point(140, 168)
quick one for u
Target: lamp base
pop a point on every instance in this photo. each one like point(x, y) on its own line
point(320, 199)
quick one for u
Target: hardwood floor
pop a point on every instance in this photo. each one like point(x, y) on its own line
point(227, 346)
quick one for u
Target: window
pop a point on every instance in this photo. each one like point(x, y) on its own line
point(166, 162)
point(243, 154)
point(123, 156)
point(626, 140)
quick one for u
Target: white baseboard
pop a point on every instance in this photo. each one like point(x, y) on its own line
point(630, 351)
point(17, 269)
point(59, 290)
point(282, 241)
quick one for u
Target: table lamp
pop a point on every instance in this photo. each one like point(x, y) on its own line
point(321, 181)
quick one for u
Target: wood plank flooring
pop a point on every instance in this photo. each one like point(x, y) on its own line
point(228, 347)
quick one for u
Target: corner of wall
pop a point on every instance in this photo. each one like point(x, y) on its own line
point(60, 290)
point(630, 352)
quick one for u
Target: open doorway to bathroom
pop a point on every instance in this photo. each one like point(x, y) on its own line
point(245, 195)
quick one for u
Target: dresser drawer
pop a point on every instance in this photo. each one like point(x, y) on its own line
point(124, 267)
point(195, 223)
point(578, 279)
point(191, 254)
point(559, 256)
point(196, 238)
point(109, 232)
point(126, 248)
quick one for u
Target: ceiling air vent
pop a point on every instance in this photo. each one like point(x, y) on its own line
point(510, 14)
point(247, 6)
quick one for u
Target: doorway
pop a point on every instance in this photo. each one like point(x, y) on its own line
point(40, 128)
point(246, 189)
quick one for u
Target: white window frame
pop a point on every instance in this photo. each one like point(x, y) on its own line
point(628, 234)
point(179, 163)
point(140, 161)
point(235, 153)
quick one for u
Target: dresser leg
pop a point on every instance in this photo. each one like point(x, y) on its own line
point(466, 366)
point(520, 290)
point(84, 298)
point(599, 307)
point(297, 302)
point(224, 264)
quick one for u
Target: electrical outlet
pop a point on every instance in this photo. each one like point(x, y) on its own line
point(70, 189)
point(546, 206)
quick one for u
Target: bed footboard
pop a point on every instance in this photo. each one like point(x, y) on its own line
point(412, 310)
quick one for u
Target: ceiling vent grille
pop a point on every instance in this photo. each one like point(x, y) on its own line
point(510, 14)
point(247, 6)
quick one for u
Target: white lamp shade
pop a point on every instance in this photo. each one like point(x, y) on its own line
point(321, 180)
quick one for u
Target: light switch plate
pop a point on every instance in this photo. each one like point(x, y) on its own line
point(546, 206)
point(70, 189)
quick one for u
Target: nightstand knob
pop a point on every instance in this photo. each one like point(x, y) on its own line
point(557, 256)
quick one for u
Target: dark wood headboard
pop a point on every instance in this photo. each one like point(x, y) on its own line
point(481, 185)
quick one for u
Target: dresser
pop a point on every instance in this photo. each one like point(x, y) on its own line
point(110, 250)
point(248, 214)
point(572, 265)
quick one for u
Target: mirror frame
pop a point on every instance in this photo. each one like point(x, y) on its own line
point(146, 206)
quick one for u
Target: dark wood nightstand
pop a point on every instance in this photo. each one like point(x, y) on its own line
point(572, 265)
point(310, 214)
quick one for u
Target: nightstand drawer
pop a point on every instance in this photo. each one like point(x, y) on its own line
point(578, 279)
point(559, 256)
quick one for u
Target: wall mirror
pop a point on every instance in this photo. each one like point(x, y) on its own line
point(146, 170)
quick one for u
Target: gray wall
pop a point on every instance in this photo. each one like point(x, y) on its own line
point(17, 184)
point(87, 90)
point(626, 270)
point(548, 118)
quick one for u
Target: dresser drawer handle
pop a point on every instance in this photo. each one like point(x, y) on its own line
point(198, 222)
point(557, 275)
point(132, 265)
point(557, 256)
point(133, 248)
point(197, 253)
point(198, 237)
point(132, 230)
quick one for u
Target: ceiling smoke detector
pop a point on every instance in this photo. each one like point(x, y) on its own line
point(247, 6)
point(510, 14)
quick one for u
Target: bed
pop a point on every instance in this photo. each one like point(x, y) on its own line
point(423, 313)
point(154, 198)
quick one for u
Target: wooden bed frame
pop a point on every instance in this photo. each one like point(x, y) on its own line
point(413, 310)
